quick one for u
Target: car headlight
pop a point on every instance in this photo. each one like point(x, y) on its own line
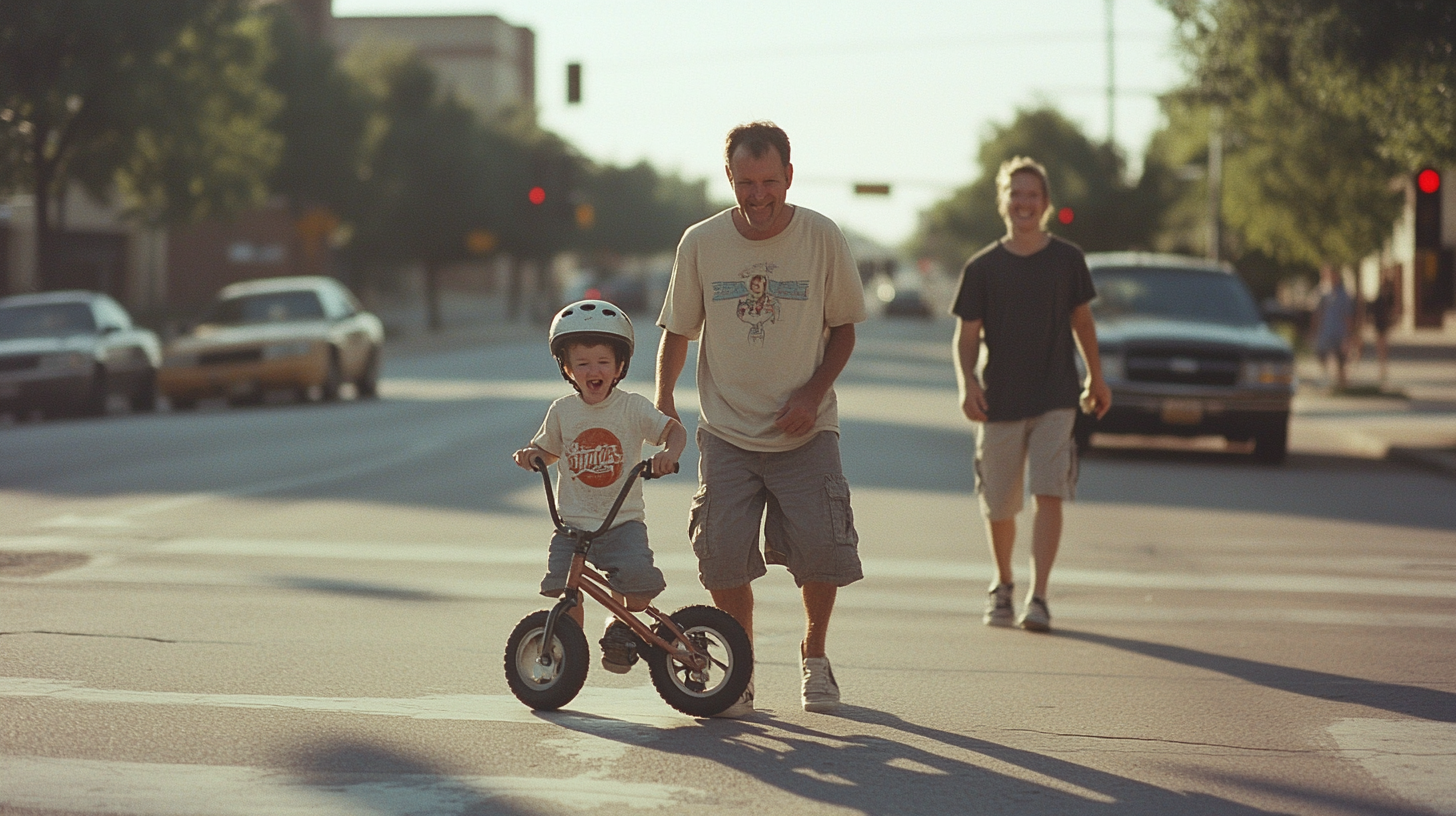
point(276, 351)
point(1268, 372)
point(65, 361)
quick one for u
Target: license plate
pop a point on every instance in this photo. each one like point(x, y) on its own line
point(1182, 412)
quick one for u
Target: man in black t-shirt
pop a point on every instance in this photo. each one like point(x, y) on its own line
point(1028, 294)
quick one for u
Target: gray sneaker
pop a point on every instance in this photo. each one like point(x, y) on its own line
point(740, 709)
point(821, 693)
point(998, 607)
point(1036, 617)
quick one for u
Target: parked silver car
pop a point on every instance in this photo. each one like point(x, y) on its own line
point(66, 353)
point(1186, 352)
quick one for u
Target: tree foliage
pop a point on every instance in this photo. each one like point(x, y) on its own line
point(1324, 103)
point(1107, 212)
point(1390, 65)
point(157, 102)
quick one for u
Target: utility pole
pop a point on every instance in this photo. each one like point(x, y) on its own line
point(1215, 182)
point(1111, 82)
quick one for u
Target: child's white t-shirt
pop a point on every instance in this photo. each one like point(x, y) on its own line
point(597, 445)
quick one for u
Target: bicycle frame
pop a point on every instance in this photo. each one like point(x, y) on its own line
point(582, 578)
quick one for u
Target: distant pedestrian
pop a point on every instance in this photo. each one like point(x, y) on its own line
point(1382, 315)
point(1027, 295)
point(1333, 325)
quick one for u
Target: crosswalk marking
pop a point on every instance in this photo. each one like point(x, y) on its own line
point(158, 789)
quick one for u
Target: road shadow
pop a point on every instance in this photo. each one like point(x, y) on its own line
point(363, 777)
point(1409, 701)
point(897, 767)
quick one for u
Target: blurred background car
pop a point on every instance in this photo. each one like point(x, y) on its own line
point(305, 335)
point(1187, 353)
point(67, 353)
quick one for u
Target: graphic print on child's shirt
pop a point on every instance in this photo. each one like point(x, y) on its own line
point(758, 296)
point(595, 457)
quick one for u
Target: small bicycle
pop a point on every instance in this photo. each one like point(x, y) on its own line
point(699, 657)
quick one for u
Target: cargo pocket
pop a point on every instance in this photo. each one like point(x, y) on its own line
point(841, 517)
point(698, 524)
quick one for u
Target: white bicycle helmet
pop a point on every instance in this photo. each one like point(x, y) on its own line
point(592, 321)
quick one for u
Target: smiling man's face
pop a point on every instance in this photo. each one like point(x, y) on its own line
point(761, 185)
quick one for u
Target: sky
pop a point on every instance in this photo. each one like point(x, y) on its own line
point(873, 92)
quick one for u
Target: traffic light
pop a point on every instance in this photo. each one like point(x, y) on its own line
point(1065, 215)
point(1428, 209)
point(536, 195)
point(1433, 273)
point(573, 83)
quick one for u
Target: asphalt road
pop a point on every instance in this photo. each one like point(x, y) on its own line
point(302, 610)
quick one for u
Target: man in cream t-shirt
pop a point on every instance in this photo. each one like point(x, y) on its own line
point(772, 293)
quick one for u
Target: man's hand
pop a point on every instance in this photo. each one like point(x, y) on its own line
point(798, 415)
point(973, 401)
point(1097, 397)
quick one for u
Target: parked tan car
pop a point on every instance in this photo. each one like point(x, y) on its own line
point(306, 335)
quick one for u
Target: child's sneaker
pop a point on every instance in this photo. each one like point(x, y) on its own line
point(821, 693)
point(619, 648)
point(998, 607)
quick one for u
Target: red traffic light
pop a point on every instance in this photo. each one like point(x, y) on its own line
point(1428, 181)
point(537, 195)
point(1065, 215)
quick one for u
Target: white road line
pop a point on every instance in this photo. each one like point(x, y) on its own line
point(155, 789)
point(1413, 759)
point(639, 706)
point(682, 561)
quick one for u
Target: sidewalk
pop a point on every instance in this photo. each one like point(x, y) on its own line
point(1414, 420)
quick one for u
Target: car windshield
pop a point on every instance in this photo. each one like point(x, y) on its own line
point(1175, 294)
point(46, 320)
point(270, 307)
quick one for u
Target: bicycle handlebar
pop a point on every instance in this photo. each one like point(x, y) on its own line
point(643, 467)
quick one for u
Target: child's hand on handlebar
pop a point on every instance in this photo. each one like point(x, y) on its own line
point(526, 457)
point(663, 463)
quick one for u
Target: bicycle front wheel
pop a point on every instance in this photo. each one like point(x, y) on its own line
point(550, 683)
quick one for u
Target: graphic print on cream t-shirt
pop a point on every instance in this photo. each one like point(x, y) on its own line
point(596, 446)
point(595, 457)
point(758, 296)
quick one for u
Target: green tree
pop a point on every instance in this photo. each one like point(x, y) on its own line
point(425, 188)
point(1389, 65)
point(639, 211)
point(159, 103)
point(1107, 212)
point(322, 120)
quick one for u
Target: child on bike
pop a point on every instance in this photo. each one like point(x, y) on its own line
point(594, 435)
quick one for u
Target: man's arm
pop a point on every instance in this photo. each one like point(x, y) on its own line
point(672, 355)
point(1085, 332)
point(967, 347)
point(798, 415)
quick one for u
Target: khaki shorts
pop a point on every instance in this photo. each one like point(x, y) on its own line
point(1006, 451)
point(799, 498)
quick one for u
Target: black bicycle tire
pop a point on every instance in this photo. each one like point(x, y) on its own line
point(571, 649)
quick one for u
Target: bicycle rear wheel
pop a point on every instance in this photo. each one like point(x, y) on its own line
point(550, 685)
point(708, 692)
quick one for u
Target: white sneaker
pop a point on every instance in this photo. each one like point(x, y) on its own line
point(742, 708)
point(1036, 618)
point(821, 693)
